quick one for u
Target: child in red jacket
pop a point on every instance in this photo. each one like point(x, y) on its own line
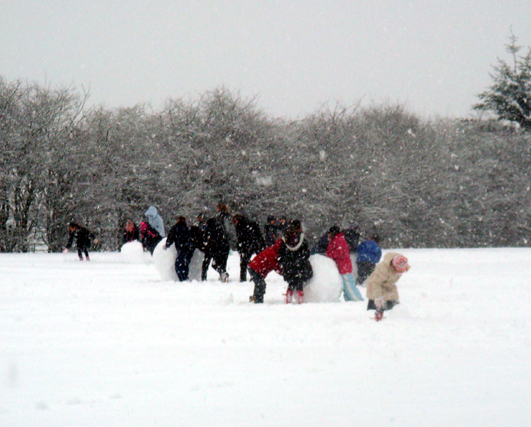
point(260, 266)
point(338, 250)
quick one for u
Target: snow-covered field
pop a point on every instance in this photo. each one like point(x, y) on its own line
point(108, 343)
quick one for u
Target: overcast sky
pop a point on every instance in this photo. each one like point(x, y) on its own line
point(434, 56)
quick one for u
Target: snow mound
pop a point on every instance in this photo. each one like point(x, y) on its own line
point(164, 261)
point(400, 311)
point(326, 284)
point(132, 252)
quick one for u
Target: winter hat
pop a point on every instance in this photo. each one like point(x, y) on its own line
point(400, 263)
point(294, 226)
point(270, 218)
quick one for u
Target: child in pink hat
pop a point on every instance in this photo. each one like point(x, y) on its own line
point(381, 285)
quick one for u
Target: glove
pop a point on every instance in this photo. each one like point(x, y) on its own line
point(380, 304)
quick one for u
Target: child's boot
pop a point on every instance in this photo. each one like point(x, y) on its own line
point(300, 297)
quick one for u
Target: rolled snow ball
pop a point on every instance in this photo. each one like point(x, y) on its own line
point(132, 252)
point(164, 261)
point(196, 265)
point(326, 284)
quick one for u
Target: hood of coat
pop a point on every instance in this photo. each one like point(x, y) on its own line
point(152, 212)
point(387, 261)
point(293, 244)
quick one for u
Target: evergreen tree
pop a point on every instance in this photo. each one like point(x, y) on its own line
point(509, 97)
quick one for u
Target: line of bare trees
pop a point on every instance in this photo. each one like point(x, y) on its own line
point(418, 183)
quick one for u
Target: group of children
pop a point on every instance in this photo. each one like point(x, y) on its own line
point(289, 256)
point(285, 250)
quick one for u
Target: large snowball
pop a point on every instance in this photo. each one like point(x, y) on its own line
point(164, 261)
point(194, 269)
point(326, 284)
point(132, 252)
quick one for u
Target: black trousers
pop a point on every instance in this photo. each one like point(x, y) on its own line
point(82, 250)
point(245, 257)
point(181, 264)
point(219, 262)
point(259, 286)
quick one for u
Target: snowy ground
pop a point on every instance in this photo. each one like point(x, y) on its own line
point(108, 343)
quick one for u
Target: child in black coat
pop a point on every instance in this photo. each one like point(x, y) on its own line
point(83, 238)
point(294, 259)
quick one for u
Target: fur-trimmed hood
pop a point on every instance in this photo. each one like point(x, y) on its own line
point(297, 246)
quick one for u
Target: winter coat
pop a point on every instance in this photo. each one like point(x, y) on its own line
point(215, 239)
point(266, 261)
point(250, 238)
point(225, 220)
point(82, 236)
point(369, 251)
point(295, 261)
point(382, 282)
point(338, 250)
point(180, 235)
point(155, 220)
point(196, 237)
point(149, 236)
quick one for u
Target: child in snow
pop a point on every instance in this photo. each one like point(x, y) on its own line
point(381, 288)
point(369, 254)
point(281, 226)
point(338, 250)
point(294, 259)
point(352, 236)
point(131, 232)
point(150, 237)
point(155, 220)
point(250, 241)
point(83, 238)
point(180, 236)
point(224, 218)
point(260, 266)
point(270, 231)
point(216, 247)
